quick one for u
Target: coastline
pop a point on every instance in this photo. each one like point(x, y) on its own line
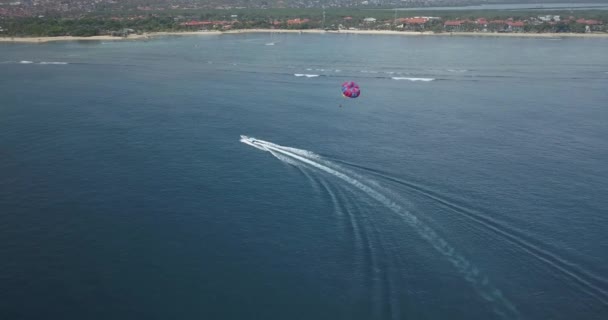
point(308, 31)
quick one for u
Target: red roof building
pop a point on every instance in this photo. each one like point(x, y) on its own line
point(297, 21)
point(516, 24)
point(455, 23)
point(588, 22)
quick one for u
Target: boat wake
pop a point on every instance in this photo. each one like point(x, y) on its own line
point(591, 284)
point(307, 159)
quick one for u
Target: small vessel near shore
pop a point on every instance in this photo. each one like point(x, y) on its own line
point(272, 39)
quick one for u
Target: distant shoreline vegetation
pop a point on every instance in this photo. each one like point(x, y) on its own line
point(479, 21)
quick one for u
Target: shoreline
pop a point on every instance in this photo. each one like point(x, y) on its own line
point(147, 36)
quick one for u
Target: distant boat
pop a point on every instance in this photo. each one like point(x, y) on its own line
point(272, 39)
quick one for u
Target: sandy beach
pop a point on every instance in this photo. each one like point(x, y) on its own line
point(316, 31)
point(105, 38)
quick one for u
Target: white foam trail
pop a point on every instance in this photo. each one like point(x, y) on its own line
point(53, 62)
point(270, 44)
point(503, 306)
point(252, 142)
point(413, 79)
point(26, 62)
point(305, 75)
point(457, 70)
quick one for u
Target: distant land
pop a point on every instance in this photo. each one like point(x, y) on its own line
point(89, 18)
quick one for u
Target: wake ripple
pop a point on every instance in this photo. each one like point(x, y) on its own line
point(502, 306)
point(584, 279)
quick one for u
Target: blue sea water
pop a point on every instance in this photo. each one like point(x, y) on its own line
point(469, 180)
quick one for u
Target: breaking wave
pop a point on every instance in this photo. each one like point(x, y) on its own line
point(306, 75)
point(413, 79)
point(41, 62)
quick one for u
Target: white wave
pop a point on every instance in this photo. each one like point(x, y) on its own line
point(413, 79)
point(270, 44)
point(259, 144)
point(305, 153)
point(305, 75)
point(53, 62)
point(368, 71)
point(502, 306)
point(337, 70)
point(457, 70)
point(26, 62)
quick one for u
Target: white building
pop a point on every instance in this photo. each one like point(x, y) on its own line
point(369, 20)
point(548, 18)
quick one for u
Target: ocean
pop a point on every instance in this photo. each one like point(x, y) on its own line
point(225, 177)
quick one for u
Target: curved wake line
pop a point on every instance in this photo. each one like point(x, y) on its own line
point(583, 278)
point(503, 307)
